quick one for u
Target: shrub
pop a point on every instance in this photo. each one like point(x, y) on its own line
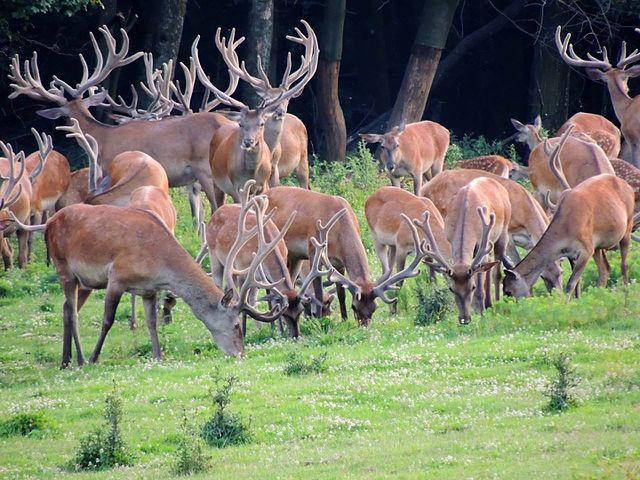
point(104, 447)
point(26, 424)
point(469, 147)
point(190, 455)
point(298, 365)
point(224, 428)
point(559, 391)
point(434, 301)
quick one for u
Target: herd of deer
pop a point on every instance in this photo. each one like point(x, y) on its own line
point(114, 224)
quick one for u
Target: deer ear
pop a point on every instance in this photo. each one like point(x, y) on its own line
point(96, 99)
point(371, 137)
point(6, 223)
point(227, 298)
point(537, 122)
point(400, 128)
point(485, 267)
point(54, 113)
point(517, 125)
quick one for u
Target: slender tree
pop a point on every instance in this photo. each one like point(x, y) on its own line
point(259, 41)
point(163, 20)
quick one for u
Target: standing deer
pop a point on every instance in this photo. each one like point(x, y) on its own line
point(476, 225)
point(416, 150)
point(627, 108)
point(345, 251)
point(593, 217)
point(180, 144)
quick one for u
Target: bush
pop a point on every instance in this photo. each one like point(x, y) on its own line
point(224, 428)
point(560, 391)
point(190, 456)
point(469, 147)
point(434, 301)
point(298, 365)
point(26, 424)
point(104, 447)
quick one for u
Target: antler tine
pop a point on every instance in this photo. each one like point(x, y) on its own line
point(223, 97)
point(434, 250)
point(45, 146)
point(554, 159)
point(320, 253)
point(90, 146)
point(230, 57)
point(31, 86)
point(184, 97)
point(569, 56)
point(485, 246)
point(626, 60)
point(410, 271)
point(6, 198)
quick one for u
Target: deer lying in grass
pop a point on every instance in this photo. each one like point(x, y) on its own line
point(415, 149)
point(593, 217)
point(495, 164)
point(527, 223)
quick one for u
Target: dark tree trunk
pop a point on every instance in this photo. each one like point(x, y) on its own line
point(163, 20)
point(333, 131)
point(431, 38)
point(259, 40)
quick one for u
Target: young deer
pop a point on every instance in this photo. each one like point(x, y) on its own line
point(593, 217)
point(476, 224)
point(491, 163)
point(415, 149)
point(629, 174)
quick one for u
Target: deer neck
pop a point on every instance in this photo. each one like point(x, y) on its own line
point(538, 258)
point(619, 93)
point(464, 239)
point(273, 132)
point(533, 140)
point(353, 257)
point(189, 282)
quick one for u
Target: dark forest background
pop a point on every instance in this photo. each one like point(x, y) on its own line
point(499, 60)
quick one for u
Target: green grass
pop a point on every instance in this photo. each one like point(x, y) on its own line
point(395, 400)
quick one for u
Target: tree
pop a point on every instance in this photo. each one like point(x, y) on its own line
point(163, 20)
point(431, 38)
point(333, 131)
point(259, 41)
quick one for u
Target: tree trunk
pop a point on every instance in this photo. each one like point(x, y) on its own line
point(259, 40)
point(431, 38)
point(163, 20)
point(333, 131)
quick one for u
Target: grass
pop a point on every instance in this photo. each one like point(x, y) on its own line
point(394, 401)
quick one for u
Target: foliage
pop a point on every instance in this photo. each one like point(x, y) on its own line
point(224, 428)
point(469, 147)
point(434, 301)
point(190, 455)
point(559, 391)
point(104, 447)
point(298, 365)
point(26, 424)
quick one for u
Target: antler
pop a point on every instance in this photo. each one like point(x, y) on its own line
point(554, 158)
point(485, 246)
point(90, 145)
point(45, 146)
point(6, 197)
point(259, 205)
point(569, 56)
point(435, 255)
point(102, 68)
point(30, 84)
point(421, 251)
point(625, 60)
point(221, 97)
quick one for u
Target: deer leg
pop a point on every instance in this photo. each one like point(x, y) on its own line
point(395, 181)
point(34, 220)
point(604, 269)
point(382, 252)
point(624, 252)
point(417, 184)
point(512, 252)
point(7, 252)
point(132, 318)
point(577, 266)
point(302, 172)
point(206, 183)
point(478, 296)
point(111, 301)
point(391, 258)
point(152, 322)
point(69, 318)
point(170, 301)
point(23, 240)
point(219, 196)
point(342, 301)
point(217, 270)
point(316, 309)
point(401, 259)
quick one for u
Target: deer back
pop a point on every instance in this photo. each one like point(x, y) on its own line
point(495, 164)
point(52, 183)
point(424, 144)
point(156, 200)
point(629, 174)
point(603, 132)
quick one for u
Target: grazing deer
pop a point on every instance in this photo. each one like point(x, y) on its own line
point(220, 233)
point(284, 133)
point(593, 217)
point(345, 249)
point(627, 108)
point(416, 150)
point(239, 152)
point(495, 164)
point(16, 197)
point(477, 223)
point(527, 223)
point(78, 189)
point(180, 144)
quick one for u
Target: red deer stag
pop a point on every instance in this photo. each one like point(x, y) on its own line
point(627, 108)
point(416, 150)
point(593, 217)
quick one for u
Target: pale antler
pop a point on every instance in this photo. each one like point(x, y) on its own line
point(27, 228)
point(90, 146)
point(30, 84)
point(45, 146)
point(6, 197)
point(435, 255)
point(554, 158)
point(569, 56)
point(103, 68)
point(485, 246)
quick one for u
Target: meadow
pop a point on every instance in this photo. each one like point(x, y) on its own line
point(395, 400)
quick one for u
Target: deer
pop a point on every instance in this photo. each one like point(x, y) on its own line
point(495, 164)
point(592, 217)
point(78, 189)
point(627, 108)
point(416, 150)
point(345, 251)
point(16, 196)
point(139, 255)
point(527, 223)
point(629, 174)
point(284, 133)
point(240, 152)
point(179, 143)
point(220, 233)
